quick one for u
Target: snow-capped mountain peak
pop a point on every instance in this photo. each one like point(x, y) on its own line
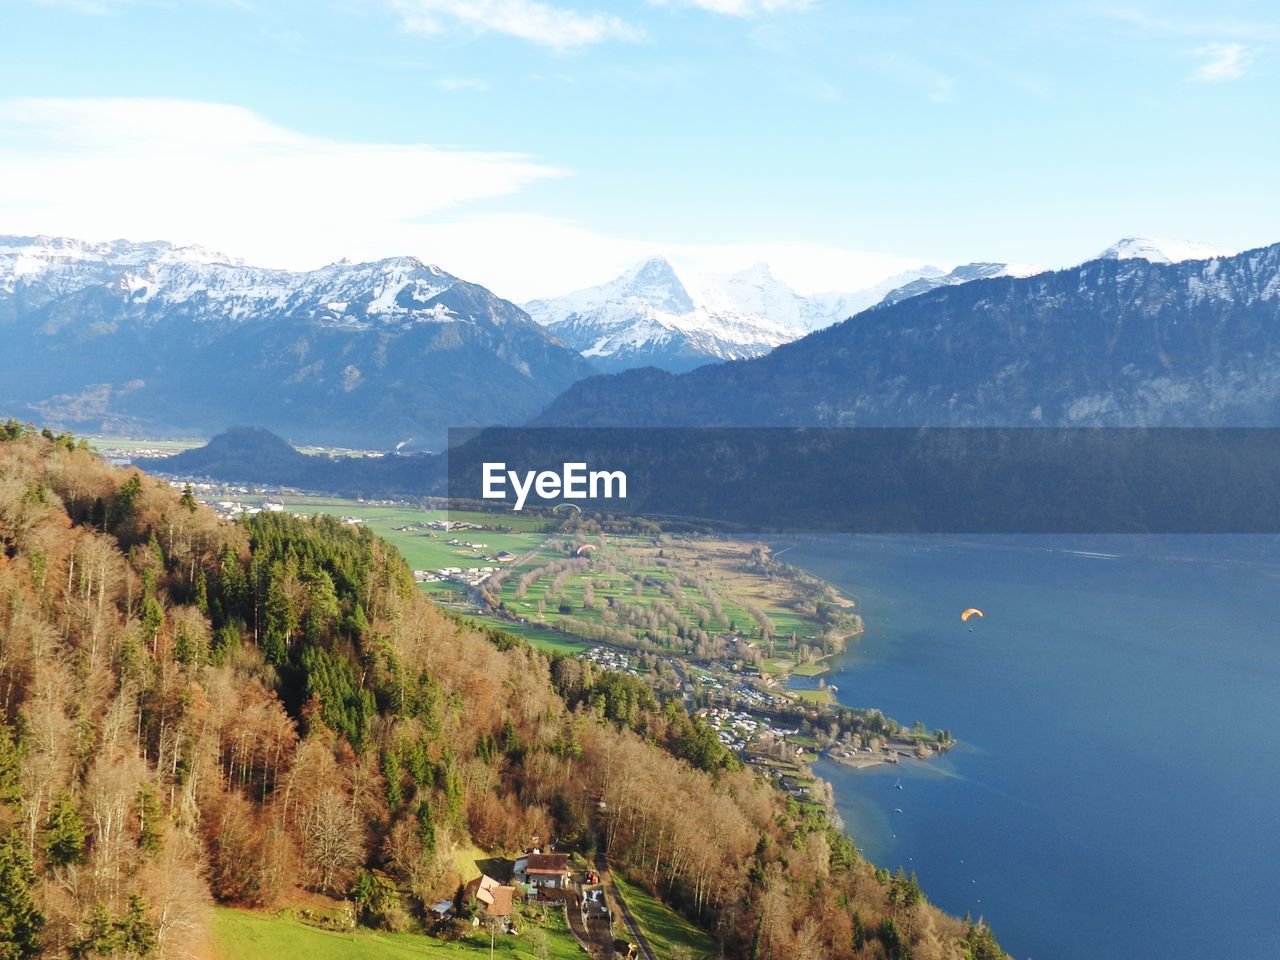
point(1162, 250)
point(648, 315)
point(655, 283)
point(651, 315)
point(756, 292)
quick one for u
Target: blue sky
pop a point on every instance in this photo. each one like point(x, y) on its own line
point(537, 146)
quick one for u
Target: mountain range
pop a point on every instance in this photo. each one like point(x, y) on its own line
point(159, 339)
point(649, 316)
point(1128, 339)
point(156, 338)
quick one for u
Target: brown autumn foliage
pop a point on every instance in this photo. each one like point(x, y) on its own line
point(162, 758)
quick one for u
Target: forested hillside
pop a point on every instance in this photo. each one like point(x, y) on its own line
point(193, 712)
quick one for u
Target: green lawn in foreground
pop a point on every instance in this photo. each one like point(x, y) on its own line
point(665, 928)
point(242, 935)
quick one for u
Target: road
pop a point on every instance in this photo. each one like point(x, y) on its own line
point(620, 908)
point(594, 933)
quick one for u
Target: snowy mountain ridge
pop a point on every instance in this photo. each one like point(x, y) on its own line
point(1163, 250)
point(158, 277)
point(649, 316)
point(158, 337)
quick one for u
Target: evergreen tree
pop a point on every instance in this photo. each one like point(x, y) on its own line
point(64, 832)
point(202, 592)
point(136, 931)
point(152, 608)
point(226, 639)
point(185, 648)
point(281, 617)
point(99, 939)
point(20, 919)
point(890, 937)
point(149, 817)
point(10, 766)
point(157, 551)
point(131, 935)
point(322, 606)
point(392, 773)
point(426, 827)
point(126, 500)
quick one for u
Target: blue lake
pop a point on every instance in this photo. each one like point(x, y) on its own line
point(1115, 791)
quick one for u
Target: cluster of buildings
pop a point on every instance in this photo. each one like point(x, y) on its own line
point(445, 525)
point(610, 659)
point(724, 683)
point(738, 730)
point(467, 576)
point(233, 509)
point(535, 875)
point(744, 693)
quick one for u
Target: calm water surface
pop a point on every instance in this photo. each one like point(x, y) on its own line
point(1116, 790)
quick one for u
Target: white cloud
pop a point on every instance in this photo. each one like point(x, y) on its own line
point(226, 177)
point(1223, 61)
point(740, 8)
point(530, 20)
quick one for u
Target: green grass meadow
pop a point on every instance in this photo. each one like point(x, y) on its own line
point(244, 935)
point(665, 928)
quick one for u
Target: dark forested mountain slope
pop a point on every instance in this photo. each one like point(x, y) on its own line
point(160, 338)
point(1109, 342)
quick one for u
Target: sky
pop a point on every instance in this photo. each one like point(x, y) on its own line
point(538, 146)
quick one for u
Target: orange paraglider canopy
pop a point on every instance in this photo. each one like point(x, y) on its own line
point(972, 612)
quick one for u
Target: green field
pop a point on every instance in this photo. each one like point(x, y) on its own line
point(667, 931)
point(815, 696)
point(541, 637)
point(633, 575)
point(430, 549)
point(242, 935)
